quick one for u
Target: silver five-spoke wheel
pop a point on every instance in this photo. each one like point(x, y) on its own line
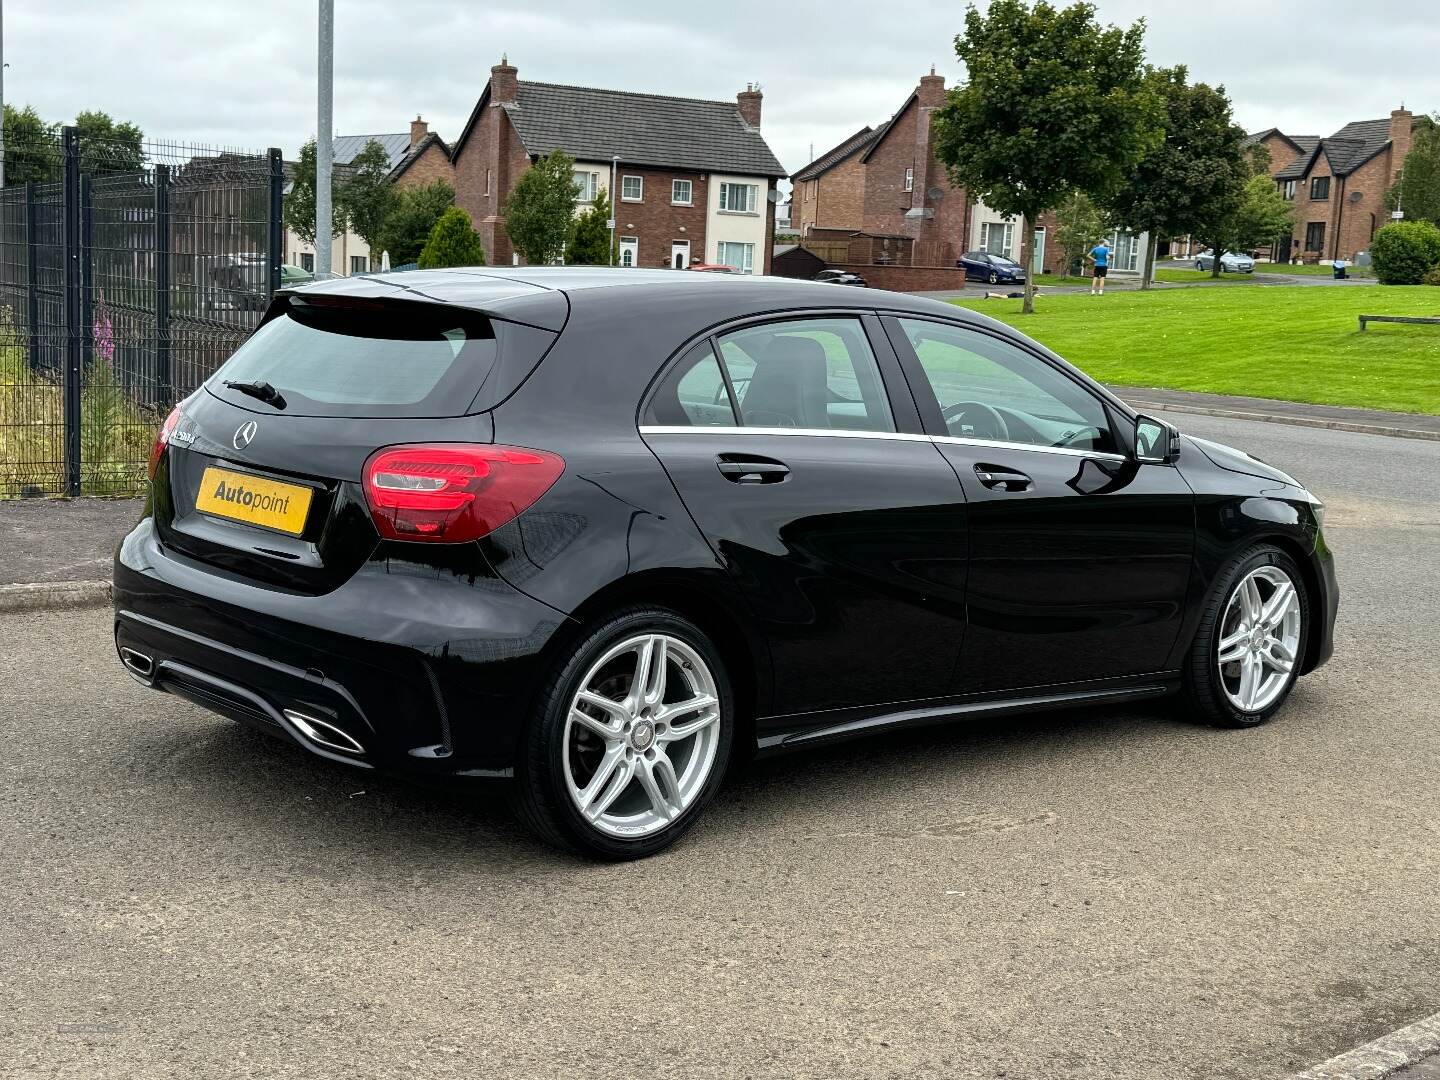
point(1259, 638)
point(641, 735)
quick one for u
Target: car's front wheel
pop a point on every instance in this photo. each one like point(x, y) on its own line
point(994, 278)
point(1252, 637)
point(630, 738)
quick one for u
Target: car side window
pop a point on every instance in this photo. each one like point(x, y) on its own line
point(989, 389)
point(806, 373)
point(692, 394)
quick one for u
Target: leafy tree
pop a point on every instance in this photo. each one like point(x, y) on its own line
point(590, 234)
point(299, 210)
point(367, 197)
point(1405, 252)
point(32, 150)
point(1054, 104)
point(1257, 216)
point(453, 242)
point(408, 227)
point(1191, 176)
point(1079, 225)
point(1417, 192)
point(539, 211)
point(108, 147)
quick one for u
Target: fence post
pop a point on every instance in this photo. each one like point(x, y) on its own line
point(87, 275)
point(32, 276)
point(70, 253)
point(275, 253)
point(164, 383)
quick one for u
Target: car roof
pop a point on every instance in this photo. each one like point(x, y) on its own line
point(538, 294)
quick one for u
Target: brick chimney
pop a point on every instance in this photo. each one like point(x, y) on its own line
point(1401, 122)
point(504, 86)
point(932, 90)
point(418, 130)
point(749, 100)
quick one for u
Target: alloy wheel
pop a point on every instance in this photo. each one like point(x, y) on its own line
point(641, 735)
point(1259, 638)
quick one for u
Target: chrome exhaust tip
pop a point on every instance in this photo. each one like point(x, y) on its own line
point(323, 733)
point(138, 664)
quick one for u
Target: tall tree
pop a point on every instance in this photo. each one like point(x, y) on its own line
point(108, 147)
point(540, 208)
point(1079, 225)
point(452, 242)
point(406, 230)
point(299, 210)
point(1054, 104)
point(1198, 163)
point(590, 235)
point(366, 197)
point(31, 147)
point(1417, 192)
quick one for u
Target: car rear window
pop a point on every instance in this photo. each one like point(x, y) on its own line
point(399, 359)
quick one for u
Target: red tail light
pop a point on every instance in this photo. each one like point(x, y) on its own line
point(162, 440)
point(454, 492)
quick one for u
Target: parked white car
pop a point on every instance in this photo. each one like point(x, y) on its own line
point(1230, 262)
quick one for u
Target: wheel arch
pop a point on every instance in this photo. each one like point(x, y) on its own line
point(1310, 578)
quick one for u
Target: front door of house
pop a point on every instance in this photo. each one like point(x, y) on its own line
point(629, 250)
point(680, 254)
point(1037, 264)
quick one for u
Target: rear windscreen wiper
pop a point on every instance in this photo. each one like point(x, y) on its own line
point(262, 390)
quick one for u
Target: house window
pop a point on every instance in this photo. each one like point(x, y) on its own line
point(629, 250)
point(997, 237)
point(586, 184)
point(359, 264)
point(1289, 189)
point(740, 256)
point(632, 188)
point(739, 198)
point(680, 192)
point(910, 179)
point(1320, 187)
point(489, 175)
point(1315, 236)
point(1124, 251)
point(307, 260)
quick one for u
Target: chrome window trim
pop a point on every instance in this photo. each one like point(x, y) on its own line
point(894, 436)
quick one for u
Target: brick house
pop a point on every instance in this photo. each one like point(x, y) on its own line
point(1338, 184)
point(829, 193)
point(690, 180)
point(417, 157)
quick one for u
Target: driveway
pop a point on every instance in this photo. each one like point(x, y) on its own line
point(1072, 895)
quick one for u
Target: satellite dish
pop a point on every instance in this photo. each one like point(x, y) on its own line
point(935, 194)
point(1356, 196)
point(775, 195)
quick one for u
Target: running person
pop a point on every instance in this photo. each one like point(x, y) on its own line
point(1100, 256)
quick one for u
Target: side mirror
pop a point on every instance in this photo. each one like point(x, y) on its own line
point(1156, 442)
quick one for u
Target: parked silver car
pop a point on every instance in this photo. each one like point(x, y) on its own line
point(1230, 262)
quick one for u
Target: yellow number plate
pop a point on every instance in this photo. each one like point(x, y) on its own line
point(267, 503)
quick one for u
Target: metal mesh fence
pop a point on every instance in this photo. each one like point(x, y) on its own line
point(128, 273)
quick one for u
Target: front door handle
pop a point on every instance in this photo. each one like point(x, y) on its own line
point(752, 470)
point(999, 478)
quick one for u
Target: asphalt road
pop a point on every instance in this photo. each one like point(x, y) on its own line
point(1088, 894)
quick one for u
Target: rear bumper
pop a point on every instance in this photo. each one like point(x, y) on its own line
point(400, 668)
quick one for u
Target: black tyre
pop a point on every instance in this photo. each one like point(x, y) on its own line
point(1251, 641)
point(629, 739)
point(994, 278)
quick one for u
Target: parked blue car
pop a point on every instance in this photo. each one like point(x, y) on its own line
point(983, 266)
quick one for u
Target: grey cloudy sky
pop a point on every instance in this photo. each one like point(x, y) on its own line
point(243, 73)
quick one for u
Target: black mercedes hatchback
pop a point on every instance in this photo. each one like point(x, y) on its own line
point(602, 532)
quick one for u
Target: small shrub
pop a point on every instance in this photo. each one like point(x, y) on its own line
point(1432, 276)
point(453, 242)
point(1405, 251)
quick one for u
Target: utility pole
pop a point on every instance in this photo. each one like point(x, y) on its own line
point(324, 140)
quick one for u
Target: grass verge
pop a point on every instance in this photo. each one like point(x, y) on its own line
point(1291, 343)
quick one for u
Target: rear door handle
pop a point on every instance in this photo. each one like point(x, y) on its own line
point(999, 478)
point(752, 470)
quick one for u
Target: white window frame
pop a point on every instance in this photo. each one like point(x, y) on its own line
point(747, 261)
point(987, 227)
point(489, 174)
point(751, 198)
point(364, 264)
point(632, 245)
point(910, 178)
point(587, 184)
point(689, 192)
point(640, 196)
point(1126, 258)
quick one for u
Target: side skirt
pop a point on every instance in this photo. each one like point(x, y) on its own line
point(777, 739)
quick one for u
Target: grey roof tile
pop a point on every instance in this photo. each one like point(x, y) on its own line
point(641, 129)
point(836, 154)
point(347, 146)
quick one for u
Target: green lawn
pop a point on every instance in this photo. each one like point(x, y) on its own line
point(1295, 343)
point(1309, 270)
point(1179, 277)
